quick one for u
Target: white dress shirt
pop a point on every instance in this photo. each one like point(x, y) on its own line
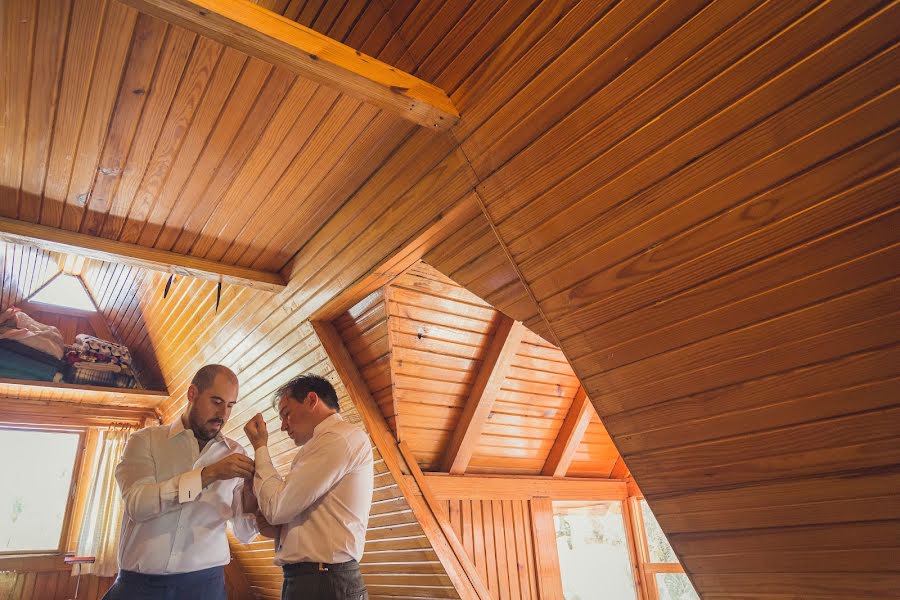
point(171, 524)
point(322, 504)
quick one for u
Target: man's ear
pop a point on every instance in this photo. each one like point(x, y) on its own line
point(192, 392)
point(313, 399)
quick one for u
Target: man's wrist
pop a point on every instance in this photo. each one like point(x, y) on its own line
point(207, 476)
point(257, 444)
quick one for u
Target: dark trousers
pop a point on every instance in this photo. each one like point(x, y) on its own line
point(208, 584)
point(312, 581)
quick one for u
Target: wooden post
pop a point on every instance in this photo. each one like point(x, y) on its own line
point(549, 580)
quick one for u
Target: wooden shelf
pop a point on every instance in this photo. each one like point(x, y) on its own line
point(69, 392)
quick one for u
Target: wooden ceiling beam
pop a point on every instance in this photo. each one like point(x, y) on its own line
point(487, 384)
point(570, 435)
point(70, 242)
point(259, 32)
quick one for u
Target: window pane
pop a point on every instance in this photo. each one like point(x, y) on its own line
point(660, 550)
point(593, 551)
point(675, 586)
point(38, 468)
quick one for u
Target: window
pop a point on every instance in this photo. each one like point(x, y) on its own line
point(662, 572)
point(593, 551)
point(67, 291)
point(37, 468)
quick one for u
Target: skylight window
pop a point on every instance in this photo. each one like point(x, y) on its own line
point(67, 291)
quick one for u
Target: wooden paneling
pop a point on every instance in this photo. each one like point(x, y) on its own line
point(397, 459)
point(24, 271)
point(424, 371)
point(261, 33)
point(495, 368)
point(51, 584)
point(701, 198)
point(128, 128)
point(439, 333)
point(518, 487)
point(496, 535)
point(696, 201)
point(398, 557)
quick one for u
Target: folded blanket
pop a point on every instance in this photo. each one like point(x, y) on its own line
point(30, 353)
point(16, 325)
point(16, 366)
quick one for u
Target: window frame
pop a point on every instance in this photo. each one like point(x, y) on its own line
point(68, 519)
point(647, 569)
point(639, 592)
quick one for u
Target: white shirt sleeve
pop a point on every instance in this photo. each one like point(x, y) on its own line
point(316, 471)
point(243, 524)
point(144, 497)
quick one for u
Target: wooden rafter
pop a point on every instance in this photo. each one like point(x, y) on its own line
point(487, 384)
point(570, 435)
point(268, 36)
point(448, 549)
point(60, 240)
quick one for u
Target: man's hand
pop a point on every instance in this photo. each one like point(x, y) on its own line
point(256, 431)
point(233, 465)
point(266, 529)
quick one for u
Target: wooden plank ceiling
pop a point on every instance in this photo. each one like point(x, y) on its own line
point(696, 201)
point(121, 126)
point(421, 344)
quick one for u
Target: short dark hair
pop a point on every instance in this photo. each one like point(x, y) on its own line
point(301, 385)
point(207, 374)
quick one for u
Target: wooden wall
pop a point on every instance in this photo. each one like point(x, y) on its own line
point(497, 536)
point(439, 333)
point(46, 579)
point(398, 559)
point(23, 270)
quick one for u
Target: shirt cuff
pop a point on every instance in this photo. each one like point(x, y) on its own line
point(190, 485)
point(264, 468)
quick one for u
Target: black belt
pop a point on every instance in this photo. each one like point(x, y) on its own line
point(305, 568)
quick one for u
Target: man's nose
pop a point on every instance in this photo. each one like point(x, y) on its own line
point(284, 425)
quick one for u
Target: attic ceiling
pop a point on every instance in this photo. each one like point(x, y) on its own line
point(696, 200)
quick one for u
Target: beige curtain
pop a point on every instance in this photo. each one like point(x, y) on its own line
point(103, 509)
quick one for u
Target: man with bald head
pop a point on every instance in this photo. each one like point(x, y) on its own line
point(181, 483)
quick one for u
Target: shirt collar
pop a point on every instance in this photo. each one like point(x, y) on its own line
point(327, 423)
point(177, 427)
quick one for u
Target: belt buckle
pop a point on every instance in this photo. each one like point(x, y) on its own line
point(322, 567)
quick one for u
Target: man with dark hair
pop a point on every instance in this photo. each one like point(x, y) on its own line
point(319, 512)
point(181, 483)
